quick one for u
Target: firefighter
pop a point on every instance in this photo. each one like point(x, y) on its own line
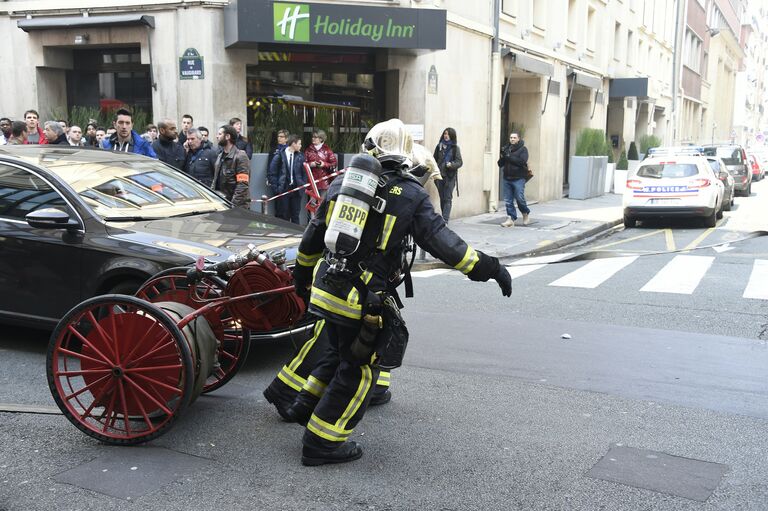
point(349, 289)
point(293, 375)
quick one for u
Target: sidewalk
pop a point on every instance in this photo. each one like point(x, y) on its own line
point(553, 224)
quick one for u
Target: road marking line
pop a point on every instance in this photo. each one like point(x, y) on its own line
point(670, 239)
point(430, 273)
point(634, 238)
point(594, 273)
point(519, 271)
point(757, 287)
point(695, 243)
point(681, 275)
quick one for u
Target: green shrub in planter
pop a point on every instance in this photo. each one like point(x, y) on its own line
point(632, 153)
point(591, 142)
point(623, 164)
point(649, 142)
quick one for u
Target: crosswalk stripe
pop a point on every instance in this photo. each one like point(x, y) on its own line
point(519, 271)
point(681, 275)
point(757, 287)
point(594, 273)
point(431, 273)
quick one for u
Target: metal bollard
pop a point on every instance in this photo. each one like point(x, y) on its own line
point(264, 200)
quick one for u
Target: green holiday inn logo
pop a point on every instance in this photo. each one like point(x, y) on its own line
point(293, 24)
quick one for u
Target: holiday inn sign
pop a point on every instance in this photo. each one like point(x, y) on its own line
point(250, 22)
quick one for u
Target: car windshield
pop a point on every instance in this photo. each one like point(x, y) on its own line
point(731, 155)
point(668, 170)
point(136, 188)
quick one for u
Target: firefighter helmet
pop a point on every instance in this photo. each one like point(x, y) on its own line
point(389, 141)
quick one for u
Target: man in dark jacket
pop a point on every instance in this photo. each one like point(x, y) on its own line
point(232, 171)
point(514, 166)
point(201, 160)
point(285, 172)
point(125, 139)
point(166, 147)
point(54, 133)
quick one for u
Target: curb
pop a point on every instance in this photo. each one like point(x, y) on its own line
point(605, 226)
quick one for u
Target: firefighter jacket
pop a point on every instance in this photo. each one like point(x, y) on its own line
point(231, 176)
point(377, 263)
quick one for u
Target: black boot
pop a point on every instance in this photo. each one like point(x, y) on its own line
point(381, 398)
point(347, 451)
point(301, 409)
point(282, 403)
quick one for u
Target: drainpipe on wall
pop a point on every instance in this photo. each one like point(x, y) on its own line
point(677, 68)
point(490, 173)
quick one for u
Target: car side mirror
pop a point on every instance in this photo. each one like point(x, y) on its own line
point(724, 174)
point(51, 218)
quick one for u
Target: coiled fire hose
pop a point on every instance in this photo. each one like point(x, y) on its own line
point(269, 312)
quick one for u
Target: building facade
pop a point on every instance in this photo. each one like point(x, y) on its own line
point(484, 68)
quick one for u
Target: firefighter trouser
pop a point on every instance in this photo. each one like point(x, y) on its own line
point(346, 397)
point(294, 375)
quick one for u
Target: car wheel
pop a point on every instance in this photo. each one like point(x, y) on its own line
point(711, 220)
point(719, 214)
point(728, 205)
point(629, 221)
point(749, 190)
point(127, 287)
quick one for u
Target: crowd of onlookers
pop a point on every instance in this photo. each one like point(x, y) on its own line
point(224, 166)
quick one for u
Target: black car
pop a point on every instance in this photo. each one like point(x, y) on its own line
point(75, 223)
point(735, 158)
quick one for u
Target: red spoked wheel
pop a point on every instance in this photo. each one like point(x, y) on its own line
point(171, 285)
point(120, 369)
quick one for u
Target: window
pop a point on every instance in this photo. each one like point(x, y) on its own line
point(573, 20)
point(22, 192)
point(617, 41)
point(591, 28)
point(640, 55)
point(539, 14)
point(692, 51)
point(630, 48)
point(668, 170)
point(509, 7)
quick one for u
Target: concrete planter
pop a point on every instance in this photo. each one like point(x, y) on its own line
point(619, 181)
point(608, 177)
point(586, 176)
point(258, 181)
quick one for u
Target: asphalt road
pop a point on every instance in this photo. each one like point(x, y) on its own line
point(493, 409)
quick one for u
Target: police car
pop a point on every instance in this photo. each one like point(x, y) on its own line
point(671, 184)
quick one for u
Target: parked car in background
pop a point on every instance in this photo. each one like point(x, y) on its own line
point(757, 166)
point(735, 158)
point(75, 223)
point(673, 186)
point(721, 171)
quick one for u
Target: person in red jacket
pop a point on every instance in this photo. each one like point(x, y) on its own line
point(35, 133)
point(322, 161)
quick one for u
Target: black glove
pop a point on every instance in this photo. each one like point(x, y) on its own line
point(504, 280)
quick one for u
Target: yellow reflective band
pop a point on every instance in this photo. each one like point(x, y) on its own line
point(389, 224)
point(291, 379)
point(470, 260)
point(354, 296)
point(329, 212)
point(383, 380)
point(308, 260)
point(366, 382)
point(327, 431)
point(296, 362)
point(330, 303)
point(314, 387)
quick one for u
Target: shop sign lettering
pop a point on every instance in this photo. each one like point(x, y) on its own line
point(294, 23)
